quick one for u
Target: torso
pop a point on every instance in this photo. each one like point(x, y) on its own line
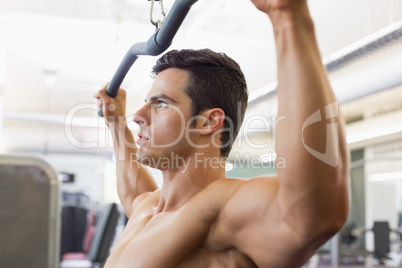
point(188, 237)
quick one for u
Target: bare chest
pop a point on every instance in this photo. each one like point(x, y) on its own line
point(173, 239)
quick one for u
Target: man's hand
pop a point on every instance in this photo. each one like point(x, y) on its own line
point(132, 179)
point(114, 109)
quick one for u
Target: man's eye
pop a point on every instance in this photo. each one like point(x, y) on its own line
point(162, 104)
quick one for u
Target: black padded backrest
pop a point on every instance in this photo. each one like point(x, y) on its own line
point(400, 224)
point(104, 233)
point(381, 238)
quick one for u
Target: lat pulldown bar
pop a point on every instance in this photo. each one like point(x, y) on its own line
point(155, 45)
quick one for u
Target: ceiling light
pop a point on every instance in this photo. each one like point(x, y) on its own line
point(374, 133)
point(385, 176)
point(50, 77)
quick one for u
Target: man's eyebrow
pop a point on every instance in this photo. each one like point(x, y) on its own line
point(161, 96)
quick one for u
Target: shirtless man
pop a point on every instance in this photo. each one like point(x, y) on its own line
point(200, 218)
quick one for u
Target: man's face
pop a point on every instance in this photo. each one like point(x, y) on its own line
point(163, 118)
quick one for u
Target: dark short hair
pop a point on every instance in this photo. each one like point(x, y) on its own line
point(215, 81)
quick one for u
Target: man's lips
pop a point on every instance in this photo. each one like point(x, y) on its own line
point(142, 138)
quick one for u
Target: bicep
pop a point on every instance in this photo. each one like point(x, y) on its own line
point(132, 184)
point(252, 222)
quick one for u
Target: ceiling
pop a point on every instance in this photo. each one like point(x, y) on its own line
point(55, 54)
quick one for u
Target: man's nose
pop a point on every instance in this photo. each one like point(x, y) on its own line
point(140, 117)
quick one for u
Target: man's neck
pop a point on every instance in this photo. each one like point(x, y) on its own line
point(180, 185)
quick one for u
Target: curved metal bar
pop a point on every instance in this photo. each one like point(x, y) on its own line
point(155, 45)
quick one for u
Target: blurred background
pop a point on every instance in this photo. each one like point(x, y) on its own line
point(54, 54)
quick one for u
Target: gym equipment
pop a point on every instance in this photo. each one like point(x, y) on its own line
point(75, 210)
point(382, 242)
point(156, 44)
point(29, 212)
point(105, 231)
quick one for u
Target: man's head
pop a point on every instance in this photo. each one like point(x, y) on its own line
point(214, 81)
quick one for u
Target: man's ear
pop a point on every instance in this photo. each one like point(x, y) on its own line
point(212, 120)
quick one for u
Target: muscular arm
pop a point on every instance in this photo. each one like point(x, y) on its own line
point(312, 188)
point(282, 220)
point(133, 179)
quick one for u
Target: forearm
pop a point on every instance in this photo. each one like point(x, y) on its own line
point(133, 178)
point(314, 180)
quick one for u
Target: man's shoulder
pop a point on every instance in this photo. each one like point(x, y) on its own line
point(228, 182)
point(146, 200)
point(244, 197)
point(229, 186)
point(217, 194)
point(149, 195)
point(223, 188)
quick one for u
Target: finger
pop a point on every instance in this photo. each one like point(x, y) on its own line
point(96, 94)
point(102, 95)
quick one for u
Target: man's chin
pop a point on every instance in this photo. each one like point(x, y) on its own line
point(146, 160)
point(141, 157)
